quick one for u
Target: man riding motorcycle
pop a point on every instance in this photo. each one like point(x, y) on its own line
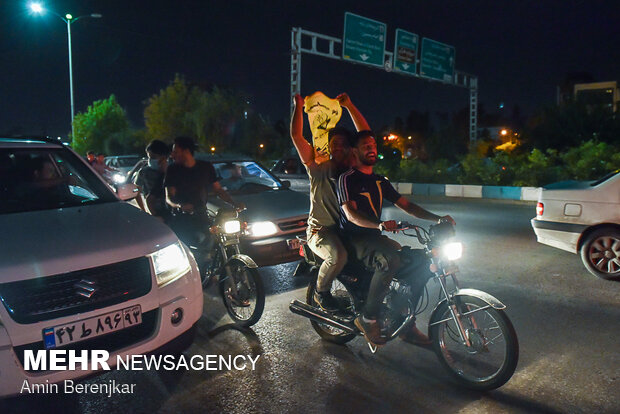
point(324, 213)
point(186, 184)
point(361, 194)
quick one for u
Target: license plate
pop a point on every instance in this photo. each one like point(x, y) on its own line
point(89, 328)
point(293, 244)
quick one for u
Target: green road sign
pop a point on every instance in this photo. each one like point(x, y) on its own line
point(405, 52)
point(437, 61)
point(363, 40)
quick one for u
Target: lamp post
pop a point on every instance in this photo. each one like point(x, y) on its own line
point(68, 19)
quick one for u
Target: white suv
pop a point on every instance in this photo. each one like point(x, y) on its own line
point(80, 269)
point(583, 217)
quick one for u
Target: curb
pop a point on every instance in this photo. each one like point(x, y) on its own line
point(470, 191)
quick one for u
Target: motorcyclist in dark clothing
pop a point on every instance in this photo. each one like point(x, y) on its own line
point(361, 194)
point(186, 184)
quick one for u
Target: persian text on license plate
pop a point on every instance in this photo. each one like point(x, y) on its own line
point(89, 328)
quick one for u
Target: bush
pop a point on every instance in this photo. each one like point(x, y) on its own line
point(538, 169)
point(478, 170)
point(417, 171)
point(591, 160)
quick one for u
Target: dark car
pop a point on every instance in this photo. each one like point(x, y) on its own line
point(275, 214)
point(290, 168)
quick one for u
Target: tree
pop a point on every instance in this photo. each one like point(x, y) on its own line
point(214, 117)
point(104, 127)
point(165, 114)
point(571, 124)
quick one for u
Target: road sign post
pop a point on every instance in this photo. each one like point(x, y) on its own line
point(437, 61)
point(363, 40)
point(406, 52)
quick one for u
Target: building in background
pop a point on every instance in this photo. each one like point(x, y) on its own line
point(598, 94)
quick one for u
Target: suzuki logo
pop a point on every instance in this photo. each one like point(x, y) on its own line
point(85, 288)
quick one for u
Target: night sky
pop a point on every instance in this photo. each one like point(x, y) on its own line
point(520, 50)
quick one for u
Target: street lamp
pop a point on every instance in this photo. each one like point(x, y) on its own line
point(69, 19)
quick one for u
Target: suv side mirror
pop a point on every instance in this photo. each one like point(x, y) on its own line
point(127, 191)
point(286, 184)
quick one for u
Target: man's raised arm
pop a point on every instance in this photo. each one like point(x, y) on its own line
point(304, 149)
point(356, 115)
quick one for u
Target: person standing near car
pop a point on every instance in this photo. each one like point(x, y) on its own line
point(323, 218)
point(186, 183)
point(150, 181)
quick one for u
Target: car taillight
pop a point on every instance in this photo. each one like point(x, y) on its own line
point(540, 208)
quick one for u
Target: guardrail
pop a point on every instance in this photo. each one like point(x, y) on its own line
point(471, 191)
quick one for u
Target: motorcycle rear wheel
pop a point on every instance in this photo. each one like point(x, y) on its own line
point(250, 287)
point(327, 332)
point(492, 357)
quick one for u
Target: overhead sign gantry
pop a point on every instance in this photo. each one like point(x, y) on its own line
point(364, 42)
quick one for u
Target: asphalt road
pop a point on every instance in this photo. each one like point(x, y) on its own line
point(567, 322)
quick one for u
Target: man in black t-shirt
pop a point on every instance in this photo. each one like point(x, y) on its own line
point(187, 183)
point(361, 195)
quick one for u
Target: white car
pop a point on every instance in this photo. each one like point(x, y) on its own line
point(583, 217)
point(80, 269)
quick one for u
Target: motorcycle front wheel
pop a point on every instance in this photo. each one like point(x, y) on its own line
point(246, 301)
point(490, 359)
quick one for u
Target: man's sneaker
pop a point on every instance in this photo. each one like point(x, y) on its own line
point(371, 331)
point(326, 301)
point(415, 336)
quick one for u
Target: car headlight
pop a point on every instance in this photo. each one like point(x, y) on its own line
point(232, 226)
point(452, 251)
point(262, 228)
point(170, 263)
point(118, 178)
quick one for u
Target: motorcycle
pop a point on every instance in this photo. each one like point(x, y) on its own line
point(220, 260)
point(469, 330)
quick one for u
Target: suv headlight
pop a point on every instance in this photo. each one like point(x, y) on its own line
point(232, 226)
point(170, 263)
point(452, 251)
point(262, 228)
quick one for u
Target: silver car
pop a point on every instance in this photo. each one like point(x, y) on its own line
point(583, 217)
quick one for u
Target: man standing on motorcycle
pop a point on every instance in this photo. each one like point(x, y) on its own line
point(361, 193)
point(324, 213)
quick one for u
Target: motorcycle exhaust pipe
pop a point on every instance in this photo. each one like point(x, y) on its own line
point(319, 315)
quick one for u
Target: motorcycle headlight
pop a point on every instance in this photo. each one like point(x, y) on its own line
point(170, 264)
point(232, 226)
point(452, 251)
point(262, 228)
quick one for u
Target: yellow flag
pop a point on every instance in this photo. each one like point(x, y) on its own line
point(323, 114)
